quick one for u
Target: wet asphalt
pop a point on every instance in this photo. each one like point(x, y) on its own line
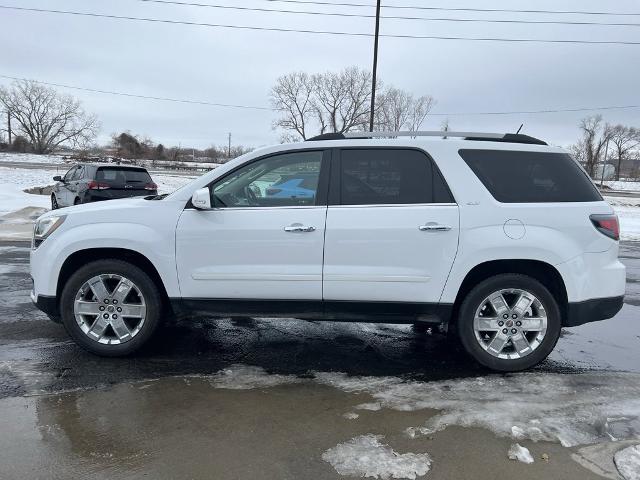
point(65, 413)
point(36, 355)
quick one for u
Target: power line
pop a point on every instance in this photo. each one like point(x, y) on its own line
point(390, 17)
point(324, 32)
point(206, 103)
point(458, 9)
point(146, 97)
point(528, 112)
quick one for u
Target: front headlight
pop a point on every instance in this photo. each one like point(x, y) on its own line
point(45, 227)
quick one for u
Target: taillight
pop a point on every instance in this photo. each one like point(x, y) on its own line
point(607, 225)
point(93, 185)
point(151, 186)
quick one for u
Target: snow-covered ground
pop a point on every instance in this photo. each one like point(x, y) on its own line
point(30, 158)
point(22, 206)
point(628, 211)
point(622, 185)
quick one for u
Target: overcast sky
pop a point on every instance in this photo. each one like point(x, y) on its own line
point(239, 66)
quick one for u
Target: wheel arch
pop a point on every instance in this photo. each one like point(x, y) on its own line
point(543, 272)
point(84, 256)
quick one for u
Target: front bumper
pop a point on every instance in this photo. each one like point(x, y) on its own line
point(579, 313)
point(47, 304)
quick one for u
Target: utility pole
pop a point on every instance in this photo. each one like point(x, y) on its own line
point(229, 151)
point(375, 66)
point(604, 163)
point(9, 126)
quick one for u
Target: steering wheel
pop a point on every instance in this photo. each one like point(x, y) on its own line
point(251, 196)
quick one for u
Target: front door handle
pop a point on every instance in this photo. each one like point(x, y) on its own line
point(297, 227)
point(434, 227)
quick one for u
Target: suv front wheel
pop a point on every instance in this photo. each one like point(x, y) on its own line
point(509, 322)
point(110, 307)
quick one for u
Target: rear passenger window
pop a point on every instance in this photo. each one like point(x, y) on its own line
point(390, 176)
point(531, 177)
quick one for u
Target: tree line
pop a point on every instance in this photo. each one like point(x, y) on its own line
point(603, 143)
point(42, 120)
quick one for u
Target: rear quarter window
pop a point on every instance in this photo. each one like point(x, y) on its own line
point(531, 177)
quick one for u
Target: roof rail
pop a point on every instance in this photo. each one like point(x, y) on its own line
point(479, 136)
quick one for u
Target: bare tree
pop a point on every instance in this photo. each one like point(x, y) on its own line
point(46, 118)
point(398, 110)
point(293, 97)
point(590, 148)
point(342, 99)
point(340, 102)
point(624, 140)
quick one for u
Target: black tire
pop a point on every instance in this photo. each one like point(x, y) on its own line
point(153, 301)
point(77, 201)
point(473, 301)
point(54, 202)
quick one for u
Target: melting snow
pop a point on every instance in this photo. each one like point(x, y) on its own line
point(365, 456)
point(628, 462)
point(350, 415)
point(520, 453)
point(244, 377)
point(572, 409)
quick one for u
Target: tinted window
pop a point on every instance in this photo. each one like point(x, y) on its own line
point(390, 176)
point(531, 177)
point(289, 179)
point(122, 175)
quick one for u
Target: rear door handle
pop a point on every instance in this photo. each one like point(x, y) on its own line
point(297, 227)
point(434, 227)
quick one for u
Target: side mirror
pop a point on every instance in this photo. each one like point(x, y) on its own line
point(201, 199)
point(57, 178)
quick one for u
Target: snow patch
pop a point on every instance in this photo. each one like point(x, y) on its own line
point(244, 377)
point(571, 409)
point(520, 453)
point(628, 462)
point(350, 415)
point(372, 407)
point(366, 456)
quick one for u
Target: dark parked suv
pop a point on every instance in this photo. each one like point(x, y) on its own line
point(86, 182)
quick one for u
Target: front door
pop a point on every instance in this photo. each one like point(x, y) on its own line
point(392, 228)
point(64, 193)
point(264, 236)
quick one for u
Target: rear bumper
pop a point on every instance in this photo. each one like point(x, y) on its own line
point(47, 304)
point(579, 313)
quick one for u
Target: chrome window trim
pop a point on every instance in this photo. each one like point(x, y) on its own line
point(395, 205)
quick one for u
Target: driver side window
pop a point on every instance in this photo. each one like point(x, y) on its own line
point(285, 180)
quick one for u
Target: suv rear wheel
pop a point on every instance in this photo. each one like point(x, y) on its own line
point(110, 307)
point(509, 322)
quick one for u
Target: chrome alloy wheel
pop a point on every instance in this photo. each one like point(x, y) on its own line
point(510, 323)
point(110, 309)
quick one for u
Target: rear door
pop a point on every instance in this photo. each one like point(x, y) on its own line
point(392, 227)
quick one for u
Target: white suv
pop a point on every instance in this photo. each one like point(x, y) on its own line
point(498, 238)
